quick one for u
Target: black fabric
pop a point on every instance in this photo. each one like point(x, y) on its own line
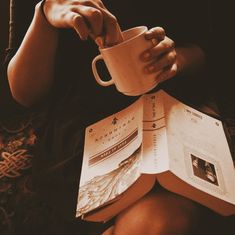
point(8, 106)
point(180, 19)
point(222, 49)
point(77, 101)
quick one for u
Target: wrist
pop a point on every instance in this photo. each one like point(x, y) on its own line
point(40, 13)
point(41, 8)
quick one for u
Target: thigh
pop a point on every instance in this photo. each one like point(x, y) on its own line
point(163, 212)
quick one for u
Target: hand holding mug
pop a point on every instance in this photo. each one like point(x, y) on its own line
point(162, 57)
point(86, 17)
point(140, 62)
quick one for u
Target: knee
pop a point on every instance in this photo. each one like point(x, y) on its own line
point(176, 224)
point(155, 224)
point(157, 217)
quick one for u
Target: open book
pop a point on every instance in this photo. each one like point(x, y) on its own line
point(157, 138)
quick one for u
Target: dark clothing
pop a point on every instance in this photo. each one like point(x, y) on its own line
point(180, 19)
point(76, 100)
point(222, 50)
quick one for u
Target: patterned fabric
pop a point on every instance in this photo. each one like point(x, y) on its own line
point(20, 210)
point(15, 151)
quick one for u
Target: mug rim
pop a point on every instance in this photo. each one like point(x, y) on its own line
point(145, 28)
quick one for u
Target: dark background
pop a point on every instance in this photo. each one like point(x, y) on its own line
point(4, 20)
point(222, 41)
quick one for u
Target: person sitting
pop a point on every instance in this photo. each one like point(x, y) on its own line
point(48, 68)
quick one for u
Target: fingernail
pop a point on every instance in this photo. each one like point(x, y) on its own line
point(150, 68)
point(154, 41)
point(99, 41)
point(146, 55)
point(161, 36)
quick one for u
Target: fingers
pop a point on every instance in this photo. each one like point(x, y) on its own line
point(101, 24)
point(162, 47)
point(166, 65)
point(111, 32)
point(87, 17)
point(162, 57)
point(90, 17)
point(162, 62)
point(76, 21)
point(167, 73)
point(157, 33)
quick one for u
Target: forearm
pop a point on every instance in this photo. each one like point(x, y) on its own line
point(31, 70)
point(190, 59)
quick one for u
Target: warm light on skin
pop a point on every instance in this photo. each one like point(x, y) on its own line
point(109, 231)
point(30, 78)
point(188, 57)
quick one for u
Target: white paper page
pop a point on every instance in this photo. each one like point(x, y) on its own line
point(112, 155)
point(155, 154)
point(198, 150)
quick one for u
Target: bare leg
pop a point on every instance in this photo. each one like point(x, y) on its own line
point(160, 213)
point(109, 231)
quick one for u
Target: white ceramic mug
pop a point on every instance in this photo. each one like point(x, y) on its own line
point(124, 63)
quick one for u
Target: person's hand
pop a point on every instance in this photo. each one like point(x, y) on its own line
point(161, 57)
point(87, 17)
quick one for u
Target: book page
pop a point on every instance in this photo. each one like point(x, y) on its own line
point(198, 150)
point(155, 154)
point(112, 155)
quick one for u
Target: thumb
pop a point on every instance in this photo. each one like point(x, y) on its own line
point(114, 36)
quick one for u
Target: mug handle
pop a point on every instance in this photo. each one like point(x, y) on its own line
point(96, 75)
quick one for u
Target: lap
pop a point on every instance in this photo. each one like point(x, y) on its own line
point(163, 212)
